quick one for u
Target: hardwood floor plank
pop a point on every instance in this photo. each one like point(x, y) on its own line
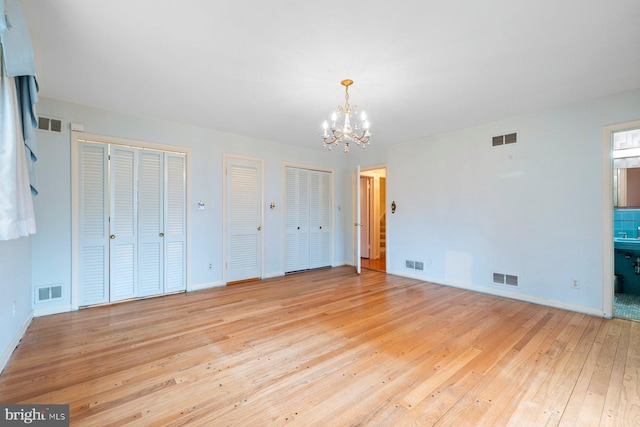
point(629, 402)
point(547, 395)
point(330, 348)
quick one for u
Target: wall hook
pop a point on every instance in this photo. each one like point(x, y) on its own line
point(393, 207)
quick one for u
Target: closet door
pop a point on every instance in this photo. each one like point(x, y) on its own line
point(320, 219)
point(123, 223)
point(326, 220)
point(308, 222)
point(243, 219)
point(150, 223)
point(304, 255)
point(315, 220)
point(93, 224)
point(130, 205)
point(291, 228)
point(297, 238)
point(175, 227)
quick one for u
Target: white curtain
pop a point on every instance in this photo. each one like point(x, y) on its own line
point(17, 218)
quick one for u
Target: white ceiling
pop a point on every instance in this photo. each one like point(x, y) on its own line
point(272, 69)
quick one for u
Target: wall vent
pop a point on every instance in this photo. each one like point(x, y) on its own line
point(48, 293)
point(49, 124)
point(509, 138)
point(414, 265)
point(505, 279)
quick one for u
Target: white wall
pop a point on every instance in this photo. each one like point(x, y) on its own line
point(533, 209)
point(15, 291)
point(51, 261)
point(466, 209)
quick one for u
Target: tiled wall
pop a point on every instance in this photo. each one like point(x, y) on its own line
point(626, 221)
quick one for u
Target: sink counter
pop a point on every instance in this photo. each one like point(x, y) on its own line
point(626, 243)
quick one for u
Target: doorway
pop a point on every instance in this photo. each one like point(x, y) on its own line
point(626, 222)
point(373, 216)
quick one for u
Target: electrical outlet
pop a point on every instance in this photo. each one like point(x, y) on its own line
point(575, 283)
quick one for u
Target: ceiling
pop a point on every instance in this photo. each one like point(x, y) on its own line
point(272, 69)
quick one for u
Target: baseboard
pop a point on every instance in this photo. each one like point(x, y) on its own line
point(274, 274)
point(203, 286)
point(37, 312)
point(508, 294)
point(6, 355)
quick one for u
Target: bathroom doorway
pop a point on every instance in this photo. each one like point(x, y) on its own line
point(626, 222)
point(373, 218)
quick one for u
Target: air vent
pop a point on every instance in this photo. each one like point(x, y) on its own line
point(505, 279)
point(510, 138)
point(415, 265)
point(47, 293)
point(49, 124)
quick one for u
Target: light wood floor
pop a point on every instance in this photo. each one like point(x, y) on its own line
point(379, 264)
point(329, 348)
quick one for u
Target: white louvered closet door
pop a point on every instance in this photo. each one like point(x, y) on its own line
point(243, 219)
point(175, 227)
point(150, 223)
point(308, 226)
point(93, 224)
point(315, 220)
point(132, 222)
point(297, 217)
point(326, 223)
point(123, 223)
point(303, 219)
point(291, 258)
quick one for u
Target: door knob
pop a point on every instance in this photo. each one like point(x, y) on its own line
point(113, 236)
point(161, 234)
point(259, 227)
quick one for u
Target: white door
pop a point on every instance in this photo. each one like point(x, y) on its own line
point(130, 205)
point(319, 219)
point(297, 256)
point(356, 219)
point(123, 223)
point(326, 225)
point(150, 223)
point(290, 220)
point(243, 219)
point(175, 223)
point(93, 223)
point(302, 227)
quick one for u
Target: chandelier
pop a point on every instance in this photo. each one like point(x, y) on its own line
point(346, 126)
